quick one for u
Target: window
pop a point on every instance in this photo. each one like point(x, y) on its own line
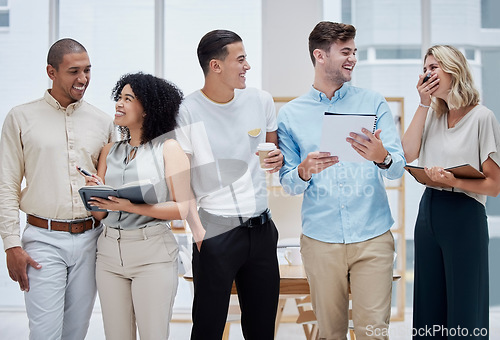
point(346, 11)
point(398, 53)
point(362, 55)
point(470, 54)
point(4, 14)
point(489, 13)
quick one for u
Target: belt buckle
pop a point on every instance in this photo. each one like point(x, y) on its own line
point(253, 221)
point(70, 227)
point(257, 220)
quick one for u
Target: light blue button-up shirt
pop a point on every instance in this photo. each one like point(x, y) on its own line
point(347, 202)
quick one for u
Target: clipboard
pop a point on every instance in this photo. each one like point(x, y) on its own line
point(466, 171)
point(336, 128)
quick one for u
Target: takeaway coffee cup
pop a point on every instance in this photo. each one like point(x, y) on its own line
point(264, 149)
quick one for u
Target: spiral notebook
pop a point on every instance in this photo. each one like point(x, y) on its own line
point(336, 128)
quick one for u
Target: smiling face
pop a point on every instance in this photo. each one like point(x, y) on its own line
point(339, 61)
point(129, 110)
point(234, 67)
point(71, 78)
point(432, 66)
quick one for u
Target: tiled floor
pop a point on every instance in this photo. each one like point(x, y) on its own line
point(14, 326)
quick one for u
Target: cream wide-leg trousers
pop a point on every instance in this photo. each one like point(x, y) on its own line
point(137, 281)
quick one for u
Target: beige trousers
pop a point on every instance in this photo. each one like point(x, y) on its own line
point(137, 280)
point(369, 267)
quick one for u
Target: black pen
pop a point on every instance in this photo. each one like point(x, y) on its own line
point(86, 173)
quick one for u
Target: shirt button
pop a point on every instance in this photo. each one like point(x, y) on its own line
point(343, 206)
point(341, 185)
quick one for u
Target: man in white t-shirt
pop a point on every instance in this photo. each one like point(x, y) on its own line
point(220, 127)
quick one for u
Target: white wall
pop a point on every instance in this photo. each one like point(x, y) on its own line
point(23, 61)
point(287, 71)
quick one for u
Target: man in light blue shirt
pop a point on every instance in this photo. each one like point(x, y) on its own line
point(346, 218)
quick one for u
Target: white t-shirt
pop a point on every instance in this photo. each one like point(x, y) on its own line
point(222, 140)
point(473, 139)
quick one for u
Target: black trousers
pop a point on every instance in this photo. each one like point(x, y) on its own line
point(451, 292)
point(246, 255)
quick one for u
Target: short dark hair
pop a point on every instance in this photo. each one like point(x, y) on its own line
point(213, 45)
point(61, 48)
point(325, 33)
point(159, 98)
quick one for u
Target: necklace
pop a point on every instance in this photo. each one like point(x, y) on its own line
point(458, 116)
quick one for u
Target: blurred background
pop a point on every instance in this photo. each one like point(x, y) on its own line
point(160, 37)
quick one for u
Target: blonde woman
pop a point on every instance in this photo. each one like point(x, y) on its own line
point(451, 128)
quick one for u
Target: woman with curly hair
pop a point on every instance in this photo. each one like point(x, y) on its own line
point(451, 128)
point(137, 253)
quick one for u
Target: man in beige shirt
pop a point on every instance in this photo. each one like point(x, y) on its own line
point(43, 141)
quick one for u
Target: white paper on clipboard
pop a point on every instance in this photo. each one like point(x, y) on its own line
point(336, 128)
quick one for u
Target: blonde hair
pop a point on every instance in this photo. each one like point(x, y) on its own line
point(462, 92)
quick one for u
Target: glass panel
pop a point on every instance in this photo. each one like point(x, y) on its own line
point(489, 13)
point(362, 55)
point(3, 3)
point(490, 73)
point(470, 54)
point(4, 19)
point(397, 53)
point(346, 11)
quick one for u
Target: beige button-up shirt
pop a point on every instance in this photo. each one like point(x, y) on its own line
point(43, 142)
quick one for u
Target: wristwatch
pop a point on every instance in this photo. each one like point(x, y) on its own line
point(386, 163)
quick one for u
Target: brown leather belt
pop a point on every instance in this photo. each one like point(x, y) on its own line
point(73, 227)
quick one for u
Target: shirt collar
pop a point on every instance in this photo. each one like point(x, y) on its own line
point(55, 104)
point(320, 96)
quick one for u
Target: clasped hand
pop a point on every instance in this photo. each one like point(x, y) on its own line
point(372, 148)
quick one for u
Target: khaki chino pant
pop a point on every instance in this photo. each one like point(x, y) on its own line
point(137, 281)
point(369, 266)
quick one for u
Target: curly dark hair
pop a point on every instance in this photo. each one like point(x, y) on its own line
point(159, 98)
